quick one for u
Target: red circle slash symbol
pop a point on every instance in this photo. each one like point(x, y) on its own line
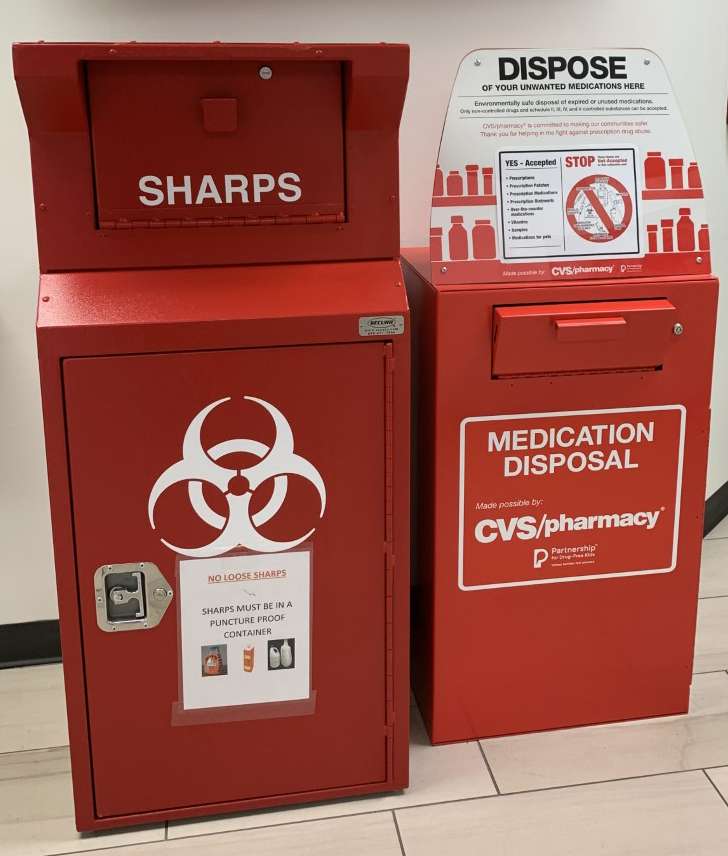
point(599, 208)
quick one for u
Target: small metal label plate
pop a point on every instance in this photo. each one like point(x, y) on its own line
point(381, 325)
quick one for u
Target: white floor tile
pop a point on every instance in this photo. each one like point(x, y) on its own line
point(36, 809)
point(721, 530)
point(719, 777)
point(32, 708)
point(714, 568)
point(437, 773)
point(679, 814)
point(365, 835)
point(711, 641)
point(598, 753)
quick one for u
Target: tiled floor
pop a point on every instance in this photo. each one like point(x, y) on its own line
point(647, 788)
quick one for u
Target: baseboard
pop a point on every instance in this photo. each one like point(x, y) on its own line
point(29, 643)
point(35, 642)
point(716, 508)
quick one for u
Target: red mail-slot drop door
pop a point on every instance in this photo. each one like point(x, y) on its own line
point(575, 337)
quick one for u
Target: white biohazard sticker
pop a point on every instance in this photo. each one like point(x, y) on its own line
point(245, 629)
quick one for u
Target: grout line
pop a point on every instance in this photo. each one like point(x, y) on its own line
point(490, 771)
point(399, 834)
point(33, 749)
point(500, 794)
point(288, 822)
point(712, 596)
point(166, 830)
point(105, 847)
point(709, 672)
point(401, 808)
point(707, 776)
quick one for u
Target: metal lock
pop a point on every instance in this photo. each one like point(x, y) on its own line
point(130, 596)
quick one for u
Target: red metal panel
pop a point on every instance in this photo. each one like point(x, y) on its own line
point(126, 420)
point(51, 81)
point(580, 652)
point(154, 119)
point(571, 337)
point(88, 315)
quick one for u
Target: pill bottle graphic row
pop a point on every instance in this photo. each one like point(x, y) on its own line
point(656, 173)
point(463, 243)
point(477, 181)
point(670, 237)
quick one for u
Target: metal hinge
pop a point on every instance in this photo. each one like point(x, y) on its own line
point(389, 558)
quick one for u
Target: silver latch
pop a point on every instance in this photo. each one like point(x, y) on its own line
point(130, 596)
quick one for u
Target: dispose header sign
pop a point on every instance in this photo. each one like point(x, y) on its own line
point(561, 164)
point(559, 497)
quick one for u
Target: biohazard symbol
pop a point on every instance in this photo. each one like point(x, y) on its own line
point(200, 466)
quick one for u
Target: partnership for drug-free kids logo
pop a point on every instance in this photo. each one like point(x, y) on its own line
point(199, 466)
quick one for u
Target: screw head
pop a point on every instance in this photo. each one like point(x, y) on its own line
point(476, 61)
point(443, 269)
point(160, 593)
point(678, 329)
point(265, 72)
point(647, 62)
point(99, 599)
point(699, 260)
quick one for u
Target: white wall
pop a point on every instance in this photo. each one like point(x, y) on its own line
point(692, 38)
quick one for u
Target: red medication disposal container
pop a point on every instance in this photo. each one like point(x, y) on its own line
point(223, 336)
point(563, 387)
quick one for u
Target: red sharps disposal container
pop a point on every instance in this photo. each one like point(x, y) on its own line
point(563, 389)
point(224, 350)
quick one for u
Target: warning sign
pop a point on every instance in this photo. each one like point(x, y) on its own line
point(567, 204)
point(599, 208)
point(565, 165)
point(559, 497)
point(245, 629)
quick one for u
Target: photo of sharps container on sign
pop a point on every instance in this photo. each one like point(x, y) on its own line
point(565, 315)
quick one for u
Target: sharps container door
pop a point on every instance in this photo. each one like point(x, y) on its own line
point(176, 462)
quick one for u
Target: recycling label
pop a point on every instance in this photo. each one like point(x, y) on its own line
point(569, 496)
point(245, 627)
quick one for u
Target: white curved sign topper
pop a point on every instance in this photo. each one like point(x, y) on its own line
point(199, 465)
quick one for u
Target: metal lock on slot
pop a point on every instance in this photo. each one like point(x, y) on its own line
point(130, 596)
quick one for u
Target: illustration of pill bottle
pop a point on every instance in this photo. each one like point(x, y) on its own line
point(651, 238)
point(704, 238)
point(286, 655)
point(248, 658)
point(483, 240)
point(436, 243)
point(694, 180)
point(212, 664)
point(685, 232)
point(454, 183)
point(676, 173)
point(274, 657)
point(472, 173)
point(667, 242)
point(487, 181)
point(439, 186)
point(457, 239)
point(655, 177)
